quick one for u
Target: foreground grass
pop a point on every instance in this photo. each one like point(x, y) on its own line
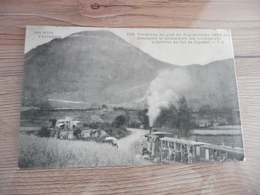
point(138, 145)
point(48, 152)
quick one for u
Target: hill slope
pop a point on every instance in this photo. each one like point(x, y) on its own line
point(91, 68)
point(214, 84)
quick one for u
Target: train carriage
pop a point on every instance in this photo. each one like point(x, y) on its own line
point(179, 150)
point(167, 149)
point(220, 153)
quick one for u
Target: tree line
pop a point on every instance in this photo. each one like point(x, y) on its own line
point(178, 120)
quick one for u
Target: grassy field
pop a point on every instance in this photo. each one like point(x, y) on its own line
point(47, 152)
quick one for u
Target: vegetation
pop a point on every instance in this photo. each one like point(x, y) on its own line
point(223, 112)
point(44, 132)
point(115, 129)
point(118, 132)
point(167, 118)
point(142, 116)
point(53, 122)
point(134, 124)
point(48, 152)
point(40, 118)
point(179, 119)
point(138, 145)
point(119, 121)
point(185, 121)
point(104, 106)
point(77, 133)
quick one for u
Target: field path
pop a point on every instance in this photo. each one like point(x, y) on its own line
point(125, 143)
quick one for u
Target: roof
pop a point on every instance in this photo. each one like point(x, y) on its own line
point(182, 141)
point(66, 120)
point(161, 133)
point(224, 148)
point(63, 120)
point(215, 132)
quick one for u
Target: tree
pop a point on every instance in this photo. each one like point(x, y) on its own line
point(119, 121)
point(229, 115)
point(53, 122)
point(205, 110)
point(167, 118)
point(142, 116)
point(44, 132)
point(77, 133)
point(104, 106)
point(185, 121)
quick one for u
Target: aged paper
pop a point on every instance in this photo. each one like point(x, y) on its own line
point(118, 96)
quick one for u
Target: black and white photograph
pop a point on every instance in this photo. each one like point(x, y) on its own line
point(128, 96)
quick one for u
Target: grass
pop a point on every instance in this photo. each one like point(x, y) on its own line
point(49, 152)
point(138, 145)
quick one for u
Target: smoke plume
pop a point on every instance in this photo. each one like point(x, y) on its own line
point(165, 90)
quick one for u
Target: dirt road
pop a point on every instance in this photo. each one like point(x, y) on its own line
point(125, 143)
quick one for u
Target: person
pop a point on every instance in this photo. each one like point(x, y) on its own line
point(190, 157)
point(225, 157)
point(164, 152)
point(178, 154)
point(170, 153)
point(185, 153)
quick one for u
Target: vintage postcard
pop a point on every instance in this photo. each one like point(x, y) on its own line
point(121, 96)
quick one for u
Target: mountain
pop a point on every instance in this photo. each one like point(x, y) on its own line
point(213, 84)
point(93, 67)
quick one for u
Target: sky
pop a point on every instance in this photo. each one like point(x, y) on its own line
point(175, 46)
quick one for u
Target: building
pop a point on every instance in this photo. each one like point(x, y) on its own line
point(67, 123)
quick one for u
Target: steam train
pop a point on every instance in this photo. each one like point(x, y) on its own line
point(167, 149)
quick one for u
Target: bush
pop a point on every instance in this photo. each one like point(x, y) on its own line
point(98, 125)
point(119, 121)
point(118, 132)
point(77, 133)
point(134, 124)
point(44, 132)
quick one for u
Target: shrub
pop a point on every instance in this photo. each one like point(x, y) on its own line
point(134, 124)
point(77, 133)
point(119, 121)
point(118, 132)
point(44, 132)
